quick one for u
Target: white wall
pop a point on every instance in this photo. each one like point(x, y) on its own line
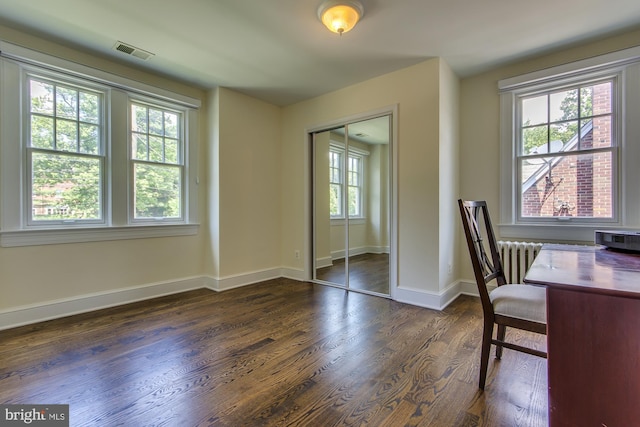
point(244, 174)
point(450, 225)
point(378, 198)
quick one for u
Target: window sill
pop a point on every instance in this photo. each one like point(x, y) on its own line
point(96, 234)
point(553, 232)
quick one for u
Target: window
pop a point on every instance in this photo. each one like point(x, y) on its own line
point(354, 179)
point(156, 153)
point(88, 156)
point(568, 135)
point(65, 153)
point(566, 152)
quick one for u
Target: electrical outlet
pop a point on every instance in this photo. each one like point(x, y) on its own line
point(297, 253)
point(450, 268)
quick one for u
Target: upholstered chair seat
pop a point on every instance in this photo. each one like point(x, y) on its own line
point(524, 302)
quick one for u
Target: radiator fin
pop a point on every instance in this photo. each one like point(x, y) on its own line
point(516, 258)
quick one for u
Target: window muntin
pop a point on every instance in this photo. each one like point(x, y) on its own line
point(157, 156)
point(566, 153)
point(65, 153)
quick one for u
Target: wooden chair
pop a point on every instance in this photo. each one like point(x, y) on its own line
point(518, 306)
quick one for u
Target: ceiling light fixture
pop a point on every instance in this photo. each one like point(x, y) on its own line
point(340, 16)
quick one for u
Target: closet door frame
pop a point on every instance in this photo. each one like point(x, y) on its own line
point(310, 238)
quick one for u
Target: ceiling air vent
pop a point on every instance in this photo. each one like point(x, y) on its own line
point(132, 50)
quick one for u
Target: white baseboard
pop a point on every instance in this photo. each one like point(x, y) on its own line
point(378, 249)
point(432, 300)
point(335, 255)
point(294, 274)
point(239, 280)
point(324, 262)
point(25, 315)
point(469, 287)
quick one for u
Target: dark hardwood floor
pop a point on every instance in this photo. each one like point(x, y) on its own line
point(368, 272)
point(275, 353)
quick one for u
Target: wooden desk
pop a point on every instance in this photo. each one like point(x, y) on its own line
point(593, 334)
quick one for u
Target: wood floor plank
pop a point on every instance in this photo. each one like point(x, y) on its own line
point(279, 352)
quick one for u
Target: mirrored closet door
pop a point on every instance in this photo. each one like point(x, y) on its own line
point(351, 205)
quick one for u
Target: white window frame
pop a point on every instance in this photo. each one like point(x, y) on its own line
point(148, 103)
point(360, 157)
point(29, 73)
point(15, 230)
point(344, 184)
point(341, 165)
point(625, 67)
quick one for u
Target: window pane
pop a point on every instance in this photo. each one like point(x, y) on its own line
point(171, 125)
point(336, 176)
point(535, 139)
point(532, 170)
point(600, 99)
point(155, 122)
point(534, 110)
point(41, 97)
point(171, 154)
point(586, 101)
point(65, 187)
point(353, 178)
point(354, 171)
point(565, 133)
point(157, 191)
point(332, 159)
point(42, 132)
point(89, 139)
point(601, 135)
point(335, 167)
point(66, 103)
point(354, 201)
point(139, 119)
point(563, 105)
point(89, 108)
point(335, 200)
point(139, 147)
point(573, 185)
point(66, 136)
point(156, 149)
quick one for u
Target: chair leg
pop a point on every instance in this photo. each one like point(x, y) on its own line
point(500, 336)
point(487, 333)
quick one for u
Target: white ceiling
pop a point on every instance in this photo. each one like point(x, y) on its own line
point(278, 51)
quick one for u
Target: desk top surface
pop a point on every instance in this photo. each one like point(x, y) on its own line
point(587, 269)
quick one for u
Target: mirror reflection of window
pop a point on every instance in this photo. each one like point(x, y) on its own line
point(335, 183)
point(352, 205)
